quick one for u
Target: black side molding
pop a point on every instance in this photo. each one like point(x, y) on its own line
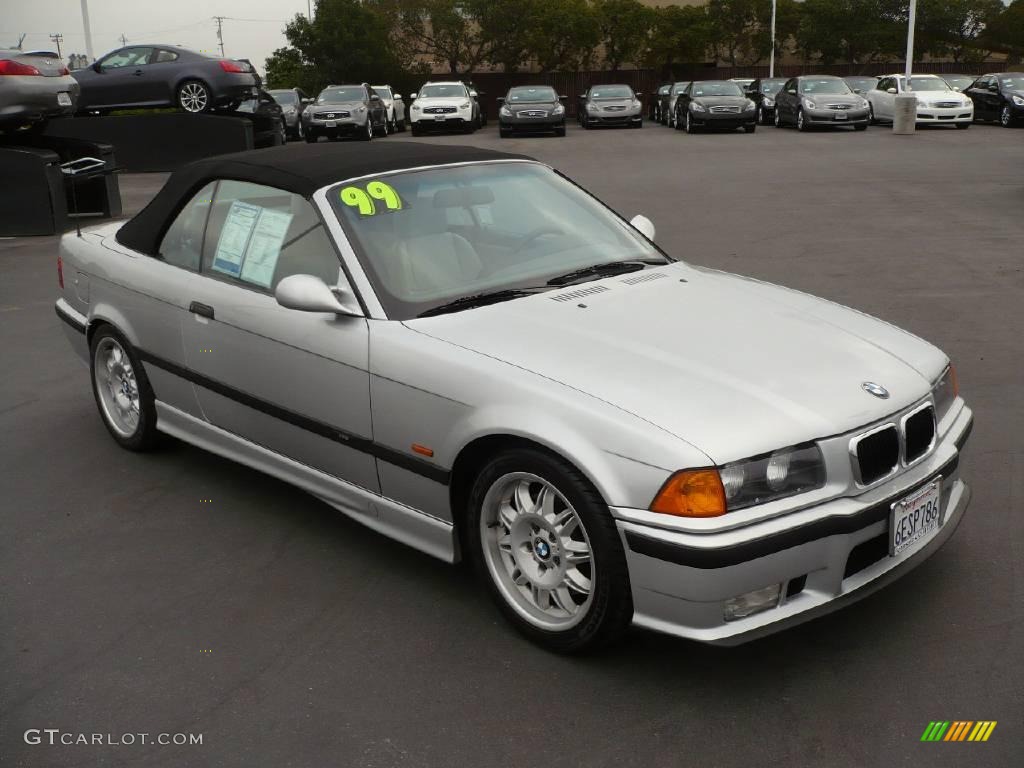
point(723, 557)
point(65, 317)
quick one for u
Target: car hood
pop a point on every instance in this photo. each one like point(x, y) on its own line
point(833, 98)
point(339, 105)
point(604, 103)
point(442, 101)
point(520, 106)
point(733, 366)
point(721, 101)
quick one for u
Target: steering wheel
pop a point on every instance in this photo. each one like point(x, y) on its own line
point(533, 235)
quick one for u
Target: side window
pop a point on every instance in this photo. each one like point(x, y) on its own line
point(183, 243)
point(127, 57)
point(163, 55)
point(790, 86)
point(258, 235)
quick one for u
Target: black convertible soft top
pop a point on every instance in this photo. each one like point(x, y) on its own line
point(301, 169)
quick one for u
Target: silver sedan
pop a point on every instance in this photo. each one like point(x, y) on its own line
point(33, 87)
point(465, 351)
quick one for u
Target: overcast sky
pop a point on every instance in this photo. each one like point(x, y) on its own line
point(178, 22)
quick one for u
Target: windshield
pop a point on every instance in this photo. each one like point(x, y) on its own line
point(958, 81)
point(284, 98)
point(828, 87)
point(1012, 82)
point(455, 91)
point(772, 86)
point(350, 93)
point(383, 91)
point(611, 92)
point(529, 95)
point(716, 88)
point(926, 83)
point(865, 84)
point(428, 237)
point(680, 87)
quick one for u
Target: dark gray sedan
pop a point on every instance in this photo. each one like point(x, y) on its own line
point(820, 100)
point(610, 105)
point(293, 101)
point(34, 86)
point(162, 76)
point(715, 105)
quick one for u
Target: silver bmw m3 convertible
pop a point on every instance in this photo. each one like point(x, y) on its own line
point(465, 351)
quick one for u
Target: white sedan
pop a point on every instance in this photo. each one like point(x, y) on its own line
point(937, 102)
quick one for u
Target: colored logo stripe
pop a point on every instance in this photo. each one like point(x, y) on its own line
point(958, 730)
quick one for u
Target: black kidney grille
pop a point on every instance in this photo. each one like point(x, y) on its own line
point(919, 432)
point(878, 454)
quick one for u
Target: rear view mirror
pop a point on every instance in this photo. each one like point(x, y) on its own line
point(307, 293)
point(890, 90)
point(501, 99)
point(563, 96)
point(643, 225)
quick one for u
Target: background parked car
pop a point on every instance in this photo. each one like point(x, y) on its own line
point(345, 110)
point(293, 101)
point(444, 105)
point(34, 86)
point(394, 105)
point(762, 92)
point(659, 101)
point(999, 96)
point(673, 99)
point(861, 85)
point(936, 100)
point(742, 82)
point(959, 82)
point(716, 105)
point(269, 128)
point(614, 105)
point(161, 76)
point(531, 109)
point(819, 100)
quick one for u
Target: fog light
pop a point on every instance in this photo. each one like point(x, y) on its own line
point(752, 602)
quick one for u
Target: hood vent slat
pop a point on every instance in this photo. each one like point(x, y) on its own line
point(579, 293)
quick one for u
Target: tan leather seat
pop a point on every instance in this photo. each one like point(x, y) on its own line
point(430, 264)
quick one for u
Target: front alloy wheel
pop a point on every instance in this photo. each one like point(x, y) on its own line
point(1005, 118)
point(801, 123)
point(778, 117)
point(549, 550)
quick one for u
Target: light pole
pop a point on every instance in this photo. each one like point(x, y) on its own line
point(88, 33)
point(904, 117)
point(771, 62)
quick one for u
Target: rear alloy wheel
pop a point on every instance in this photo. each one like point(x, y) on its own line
point(543, 540)
point(1005, 117)
point(123, 395)
point(193, 96)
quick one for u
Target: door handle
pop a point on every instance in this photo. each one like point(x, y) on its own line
point(137, 72)
point(204, 310)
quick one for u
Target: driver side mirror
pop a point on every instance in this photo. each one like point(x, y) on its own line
point(857, 90)
point(307, 293)
point(96, 67)
point(994, 88)
point(398, 97)
point(412, 95)
point(890, 90)
point(643, 225)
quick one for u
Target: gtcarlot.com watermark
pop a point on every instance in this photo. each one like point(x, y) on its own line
point(55, 736)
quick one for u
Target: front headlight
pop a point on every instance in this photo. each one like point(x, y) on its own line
point(1018, 101)
point(467, 105)
point(360, 110)
point(923, 105)
point(773, 476)
point(505, 111)
point(758, 480)
point(810, 104)
point(559, 109)
point(769, 101)
point(863, 104)
point(593, 108)
point(749, 105)
point(944, 392)
point(415, 107)
point(697, 107)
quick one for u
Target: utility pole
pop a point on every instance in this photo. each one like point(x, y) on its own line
point(85, 27)
point(58, 38)
point(220, 35)
point(771, 63)
point(123, 39)
point(309, 9)
point(904, 119)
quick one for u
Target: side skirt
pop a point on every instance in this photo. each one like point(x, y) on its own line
point(397, 521)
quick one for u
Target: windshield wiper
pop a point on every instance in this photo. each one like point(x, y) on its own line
point(477, 300)
point(606, 269)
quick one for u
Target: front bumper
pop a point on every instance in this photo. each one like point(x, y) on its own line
point(452, 121)
point(825, 557)
point(615, 118)
point(342, 126)
point(837, 116)
point(723, 120)
point(529, 124)
point(954, 115)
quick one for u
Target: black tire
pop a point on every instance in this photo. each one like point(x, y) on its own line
point(963, 126)
point(611, 609)
point(860, 127)
point(688, 126)
point(190, 93)
point(778, 117)
point(145, 437)
point(311, 138)
point(367, 135)
point(504, 133)
point(1006, 117)
point(872, 120)
point(415, 130)
point(801, 123)
point(560, 131)
point(585, 122)
point(678, 124)
point(749, 128)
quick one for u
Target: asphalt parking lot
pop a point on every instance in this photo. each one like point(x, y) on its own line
point(288, 635)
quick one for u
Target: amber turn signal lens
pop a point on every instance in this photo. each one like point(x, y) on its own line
point(691, 493)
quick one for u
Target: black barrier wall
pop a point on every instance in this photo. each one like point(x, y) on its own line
point(32, 192)
point(159, 142)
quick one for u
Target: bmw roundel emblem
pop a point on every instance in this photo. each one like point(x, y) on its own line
point(875, 389)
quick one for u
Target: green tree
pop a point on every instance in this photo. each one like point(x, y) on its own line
point(623, 27)
point(678, 35)
point(952, 27)
point(444, 31)
point(740, 30)
point(286, 69)
point(855, 31)
point(1006, 32)
point(563, 35)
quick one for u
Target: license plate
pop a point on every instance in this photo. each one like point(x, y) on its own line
point(64, 99)
point(332, 123)
point(842, 116)
point(439, 118)
point(916, 517)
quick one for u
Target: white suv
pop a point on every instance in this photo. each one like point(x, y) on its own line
point(443, 106)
